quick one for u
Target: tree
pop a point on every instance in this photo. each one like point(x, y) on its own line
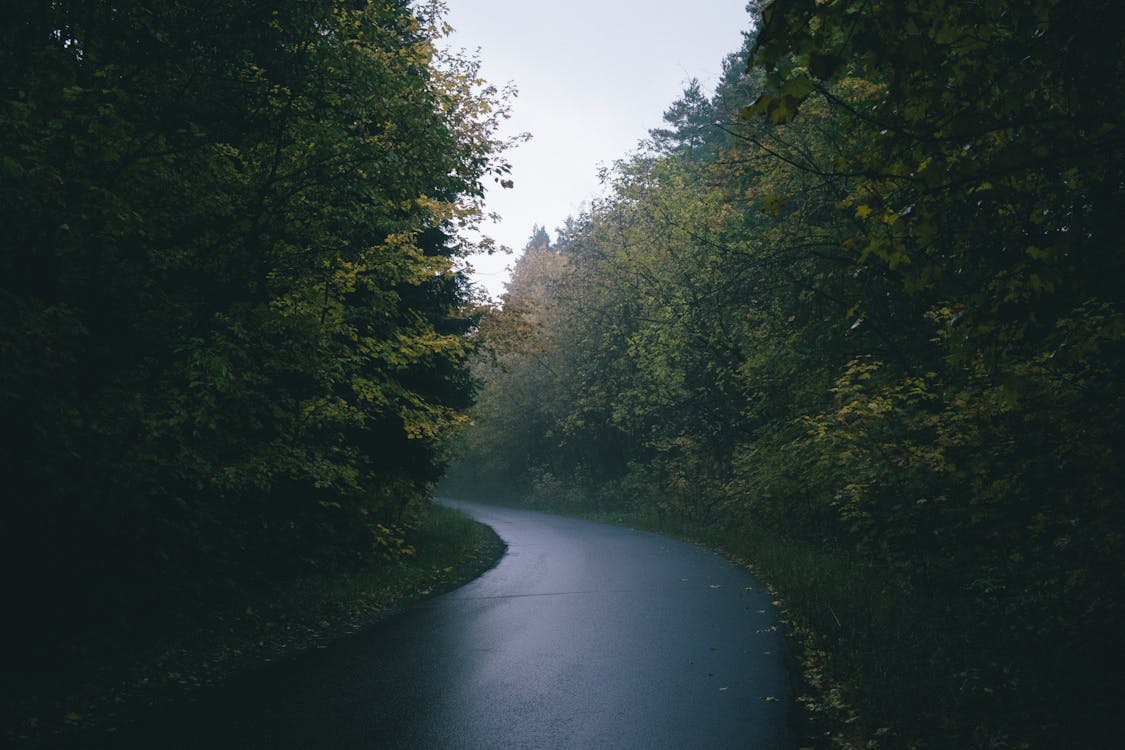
point(864, 298)
point(235, 334)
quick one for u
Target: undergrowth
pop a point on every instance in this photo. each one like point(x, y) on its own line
point(114, 674)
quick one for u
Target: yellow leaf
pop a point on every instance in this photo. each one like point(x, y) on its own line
point(773, 203)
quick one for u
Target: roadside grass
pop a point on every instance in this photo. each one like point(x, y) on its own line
point(892, 660)
point(106, 681)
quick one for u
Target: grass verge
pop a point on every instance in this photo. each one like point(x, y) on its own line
point(113, 680)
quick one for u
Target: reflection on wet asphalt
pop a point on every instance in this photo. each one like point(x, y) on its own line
point(584, 636)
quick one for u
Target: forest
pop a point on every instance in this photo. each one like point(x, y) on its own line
point(234, 316)
point(856, 316)
point(859, 313)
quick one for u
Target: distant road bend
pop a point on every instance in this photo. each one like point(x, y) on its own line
point(584, 636)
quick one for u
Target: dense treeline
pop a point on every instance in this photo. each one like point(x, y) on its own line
point(866, 298)
point(232, 324)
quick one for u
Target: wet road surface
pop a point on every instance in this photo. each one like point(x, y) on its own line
point(584, 636)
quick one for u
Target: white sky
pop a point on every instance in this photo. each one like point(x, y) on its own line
point(593, 77)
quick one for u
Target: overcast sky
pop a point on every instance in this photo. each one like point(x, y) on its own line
point(593, 77)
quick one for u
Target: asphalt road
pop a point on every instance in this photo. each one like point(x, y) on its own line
point(584, 636)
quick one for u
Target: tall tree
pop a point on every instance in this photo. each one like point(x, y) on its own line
point(233, 324)
point(865, 297)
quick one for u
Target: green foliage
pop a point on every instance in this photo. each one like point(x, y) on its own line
point(233, 328)
point(866, 298)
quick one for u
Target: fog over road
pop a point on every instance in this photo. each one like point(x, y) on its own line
point(584, 636)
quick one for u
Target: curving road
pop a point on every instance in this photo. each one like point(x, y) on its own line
point(584, 636)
